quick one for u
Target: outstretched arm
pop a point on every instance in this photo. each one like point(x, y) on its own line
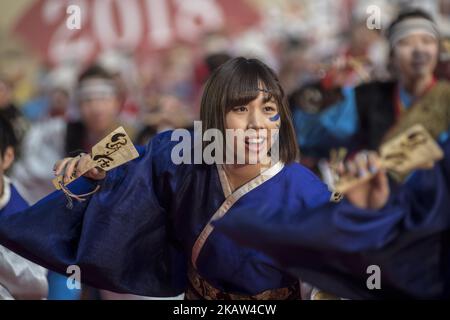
point(332, 246)
point(117, 237)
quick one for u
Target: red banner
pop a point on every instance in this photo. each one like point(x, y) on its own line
point(141, 26)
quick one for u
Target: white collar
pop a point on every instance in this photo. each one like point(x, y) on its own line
point(6, 196)
point(248, 186)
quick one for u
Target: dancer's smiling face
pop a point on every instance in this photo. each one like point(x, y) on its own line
point(259, 119)
point(245, 95)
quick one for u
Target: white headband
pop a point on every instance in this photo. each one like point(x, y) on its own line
point(412, 25)
point(96, 88)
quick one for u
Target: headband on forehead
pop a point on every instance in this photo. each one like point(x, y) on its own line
point(95, 89)
point(412, 25)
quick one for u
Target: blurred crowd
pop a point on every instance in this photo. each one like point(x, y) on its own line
point(73, 106)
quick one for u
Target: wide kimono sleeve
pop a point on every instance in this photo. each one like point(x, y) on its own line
point(338, 247)
point(119, 238)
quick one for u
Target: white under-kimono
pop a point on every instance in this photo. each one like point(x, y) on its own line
point(19, 278)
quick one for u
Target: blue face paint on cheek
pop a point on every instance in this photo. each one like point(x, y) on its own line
point(275, 117)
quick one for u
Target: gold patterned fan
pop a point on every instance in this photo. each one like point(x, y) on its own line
point(408, 151)
point(111, 152)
